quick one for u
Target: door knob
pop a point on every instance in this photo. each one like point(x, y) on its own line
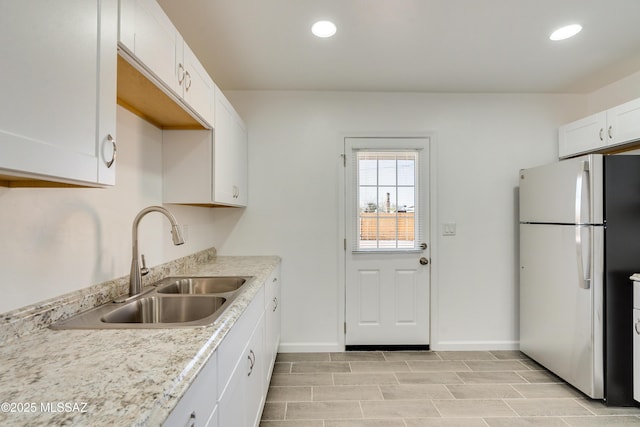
point(423, 246)
point(424, 261)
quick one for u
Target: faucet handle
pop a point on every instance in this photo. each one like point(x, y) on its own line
point(144, 270)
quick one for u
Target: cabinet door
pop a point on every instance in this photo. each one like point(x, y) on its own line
point(254, 363)
point(623, 123)
point(197, 86)
point(147, 32)
point(58, 90)
point(231, 406)
point(581, 136)
point(230, 141)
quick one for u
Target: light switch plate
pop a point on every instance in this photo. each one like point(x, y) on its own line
point(449, 229)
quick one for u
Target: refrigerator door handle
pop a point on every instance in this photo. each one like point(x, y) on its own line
point(583, 282)
point(580, 189)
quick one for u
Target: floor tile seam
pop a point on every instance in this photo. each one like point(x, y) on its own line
point(579, 402)
point(559, 417)
point(591, 413)
point(593, 416)
point(489, 384)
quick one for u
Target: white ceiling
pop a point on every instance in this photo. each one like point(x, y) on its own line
point(412, 45)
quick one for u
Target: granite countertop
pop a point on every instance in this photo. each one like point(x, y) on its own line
point(115, 377)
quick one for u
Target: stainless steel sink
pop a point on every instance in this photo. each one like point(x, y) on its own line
point(173, 302)
point(165, 310)
point(201, 285)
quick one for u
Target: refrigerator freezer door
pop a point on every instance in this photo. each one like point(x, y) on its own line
point(560, 321)
point(548, 193)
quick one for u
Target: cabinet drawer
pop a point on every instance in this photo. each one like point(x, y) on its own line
point(236, 340)
point(196, 406)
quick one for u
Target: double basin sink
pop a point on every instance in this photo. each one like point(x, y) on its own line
point(173, 302)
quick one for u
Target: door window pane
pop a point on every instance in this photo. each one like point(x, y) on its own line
point(386, 200)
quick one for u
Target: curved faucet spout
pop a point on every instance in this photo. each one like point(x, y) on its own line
point(135, 278)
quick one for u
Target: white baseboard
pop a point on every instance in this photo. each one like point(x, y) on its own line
point(475, 345)
point(312, 347)
point(309, 347)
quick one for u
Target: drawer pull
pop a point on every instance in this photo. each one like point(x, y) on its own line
point(637, 327)
point(252, 361)
point(275, 303)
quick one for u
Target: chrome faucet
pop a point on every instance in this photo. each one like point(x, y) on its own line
point(135, 278)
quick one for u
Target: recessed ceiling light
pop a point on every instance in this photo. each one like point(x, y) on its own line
point(323, 29)
point(565, 32)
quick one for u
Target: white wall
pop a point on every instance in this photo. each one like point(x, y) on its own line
point(482, 141)
point(614, 94)
point(60, 240)
point(56, 240)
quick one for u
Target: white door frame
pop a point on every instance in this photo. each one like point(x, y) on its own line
point(433, 232)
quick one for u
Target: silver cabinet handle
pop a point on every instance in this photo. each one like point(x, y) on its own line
point(609, 132)
point(192, 419)
point(638, 327)
point(601, 132)
point(252, 361)
point(115, 148)
point(187, 78)
point(180, 74)
point(275, 303)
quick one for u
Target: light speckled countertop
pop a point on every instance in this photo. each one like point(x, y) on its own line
point(116, 377)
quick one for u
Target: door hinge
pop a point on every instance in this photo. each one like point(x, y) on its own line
point(345, 327)
point(345, 244)
point(344, 160)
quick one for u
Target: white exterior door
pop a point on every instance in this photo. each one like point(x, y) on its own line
point(387, 236)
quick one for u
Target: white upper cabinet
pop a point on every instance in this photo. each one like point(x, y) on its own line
point(230, 179)
point(147, 33)
point(195, 85)
point(623, 123)
point(207, 167)
point(601, 132)
point(58, 86)
point(582, 136)
point(151, 42)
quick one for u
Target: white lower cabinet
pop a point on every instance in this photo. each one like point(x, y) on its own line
point(231, 389)
point(197, 407)
point(241, 369)
point(241, 404)
point(273, 315)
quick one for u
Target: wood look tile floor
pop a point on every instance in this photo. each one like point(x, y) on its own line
point(427, 388)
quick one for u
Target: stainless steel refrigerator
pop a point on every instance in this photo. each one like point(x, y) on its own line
point(579, 243)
